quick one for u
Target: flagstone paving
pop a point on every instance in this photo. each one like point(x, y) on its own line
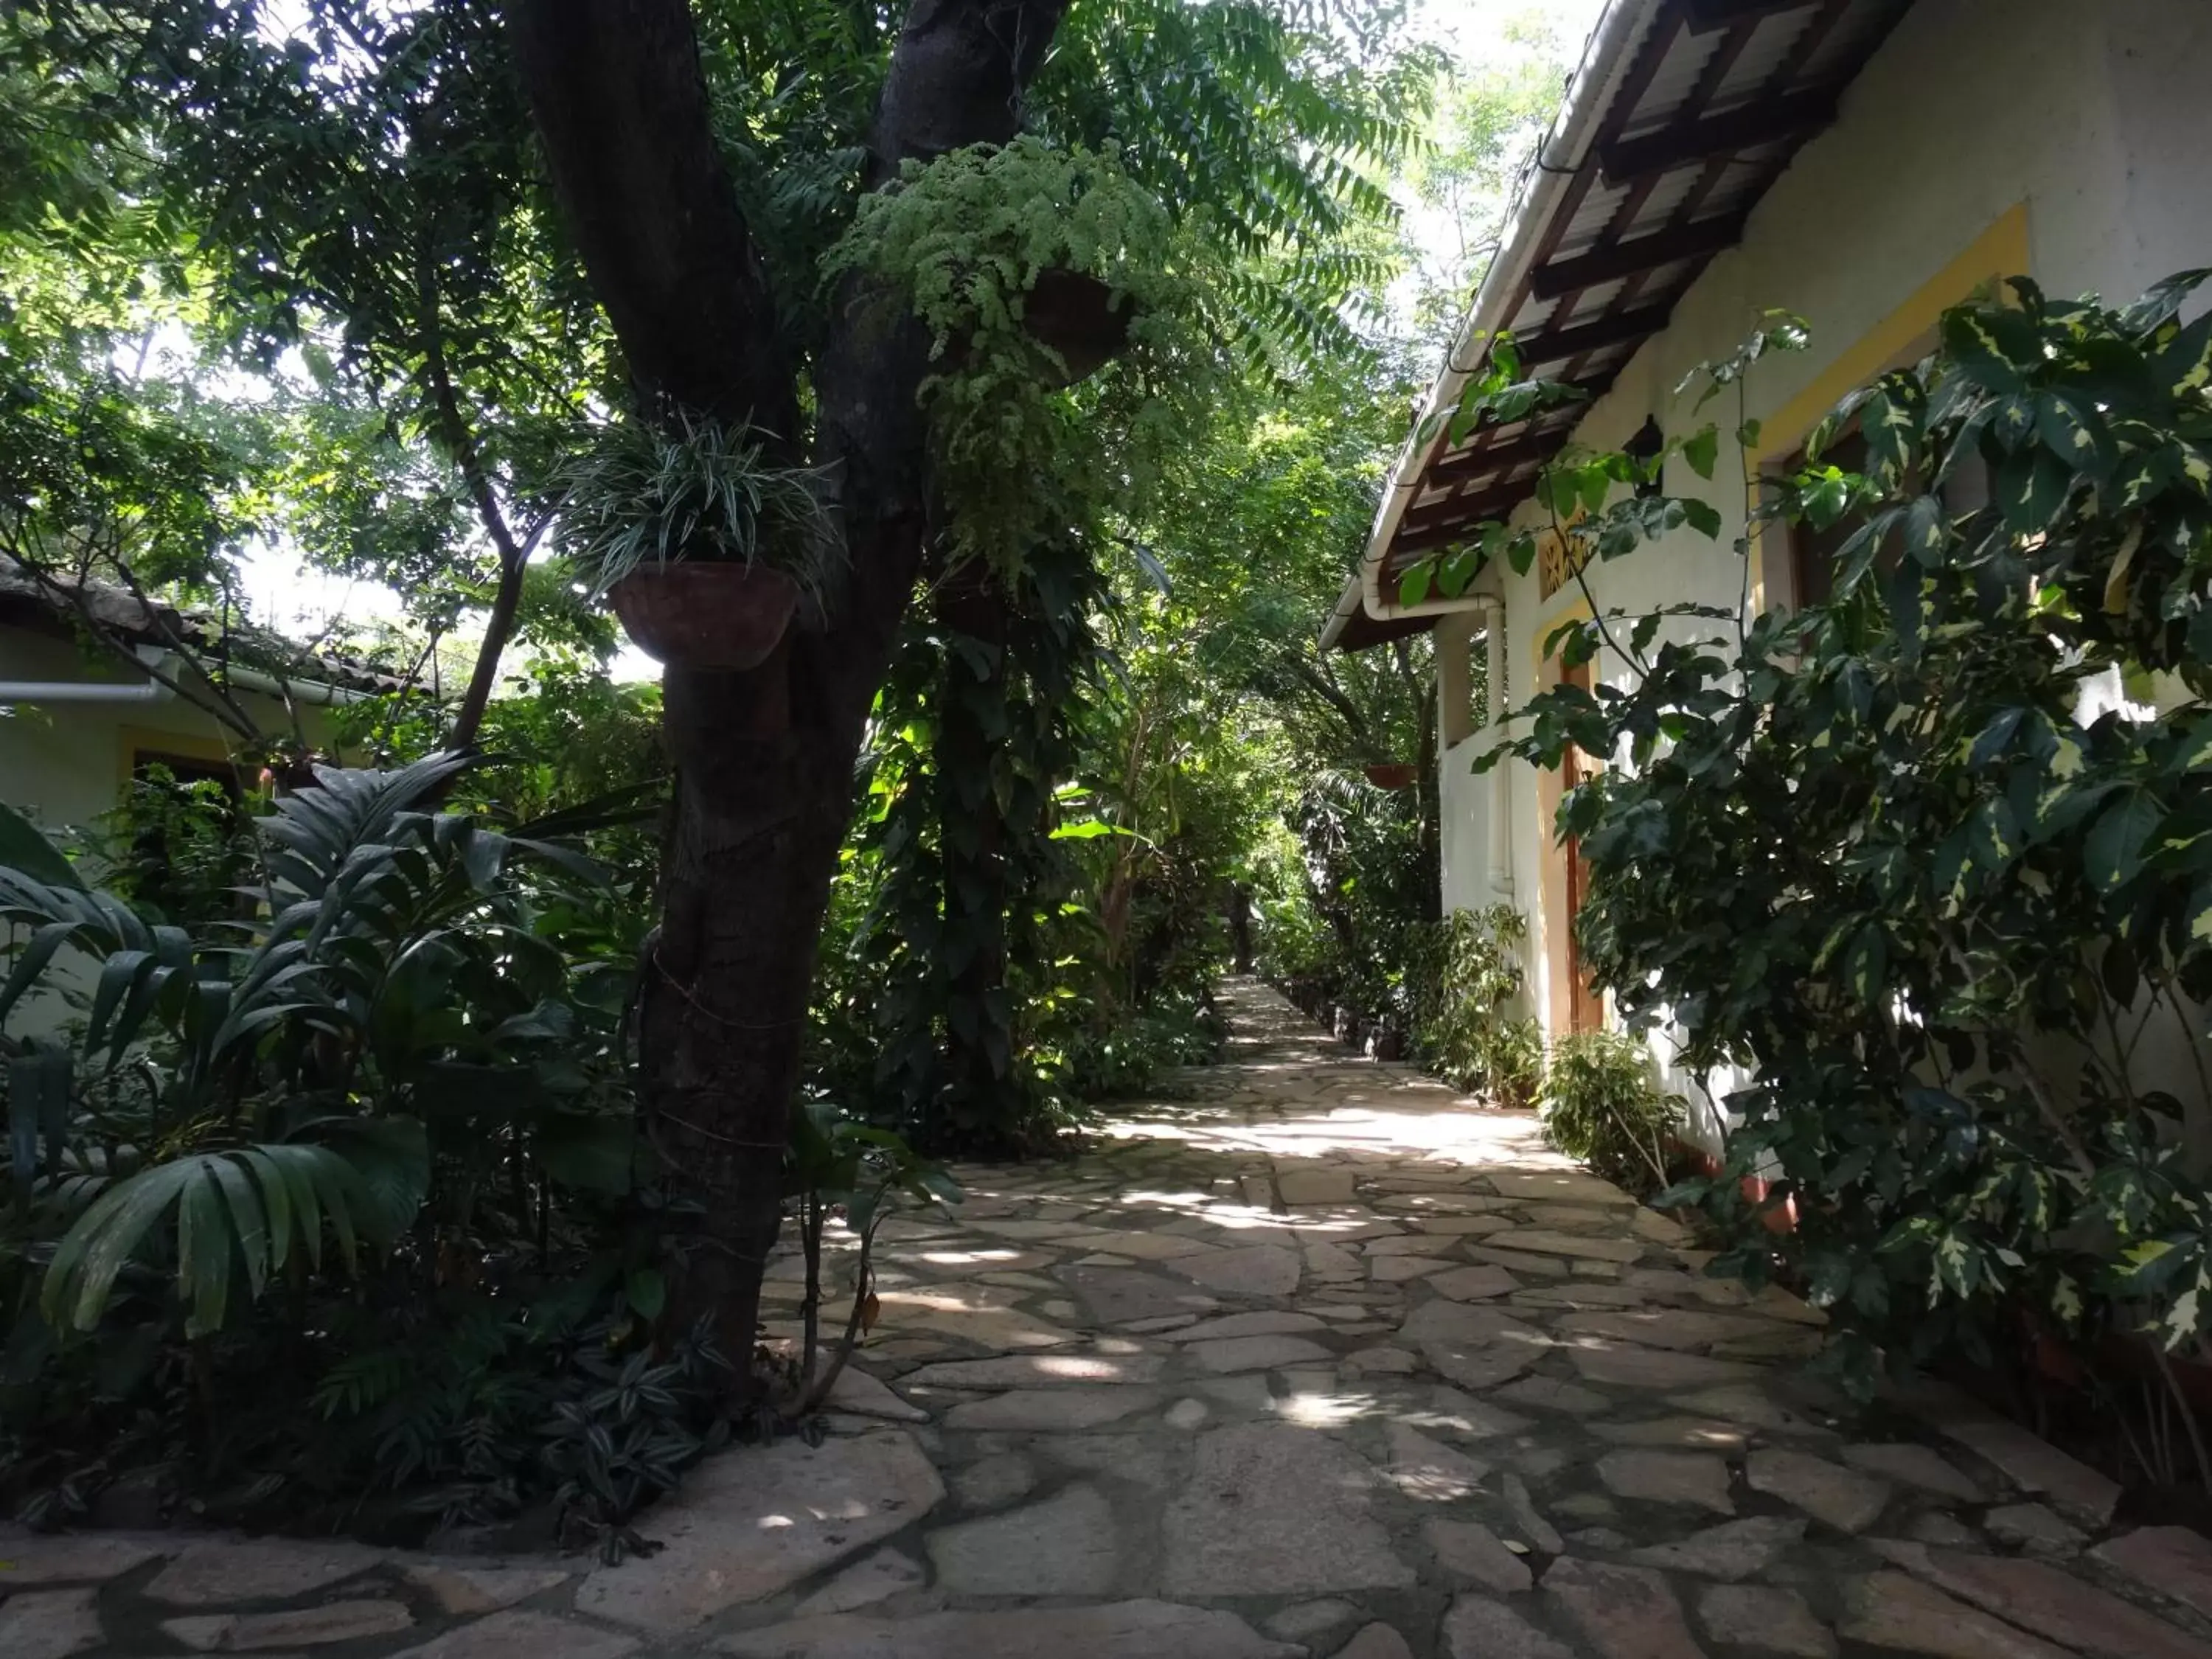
point(1314, 1357)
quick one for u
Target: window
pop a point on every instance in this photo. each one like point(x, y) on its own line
point(1813, 553)
point(186, 841)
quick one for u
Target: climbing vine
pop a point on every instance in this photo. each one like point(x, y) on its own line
point(1069, 332)
point(955, 958)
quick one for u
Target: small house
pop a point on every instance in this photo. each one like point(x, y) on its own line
point(1863, 164)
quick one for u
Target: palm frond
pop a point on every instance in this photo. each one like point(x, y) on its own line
point(243, 1211)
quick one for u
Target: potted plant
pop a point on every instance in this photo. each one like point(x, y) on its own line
point(702, 547)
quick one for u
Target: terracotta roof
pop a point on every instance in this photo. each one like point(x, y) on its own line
point(24, 604)
point(1709, 100)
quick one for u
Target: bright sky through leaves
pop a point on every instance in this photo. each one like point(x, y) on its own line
point(1481, 34)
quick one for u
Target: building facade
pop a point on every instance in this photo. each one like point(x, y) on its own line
point(1863, 166)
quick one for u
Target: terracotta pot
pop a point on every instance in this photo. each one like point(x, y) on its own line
point(705, 614)
point(1392, 774)
point(1782, 1218)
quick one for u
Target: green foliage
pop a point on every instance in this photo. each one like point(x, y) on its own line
point(1491, 116)
point(1208, 172)
point(399, 1077)
point(176, 850)
point(25, 849)
point(1367, 868)
point(1470, 974)
point(1265, 128)
point(838, 1164)
point(1021, 802)
point(1582, 493)
point(566, 735)
point(341, 218)
point(1261, 115)
point(1255, 736)
point(625, 1436)
point(1907, 866)
point(1602, 1103)
point(210, 368)
point(462, 1408)
point(1121, 1058)
point(1018, 450)
point(375, 919)
point(1159, 823)
point(239, 1209)
point(951, 957)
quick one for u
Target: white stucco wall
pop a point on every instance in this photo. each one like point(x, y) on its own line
point(2085, 127)
point(63, 764)
point(1463, 803)
point(1463, 798)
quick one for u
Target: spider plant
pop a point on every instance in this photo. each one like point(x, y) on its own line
point(648, 492)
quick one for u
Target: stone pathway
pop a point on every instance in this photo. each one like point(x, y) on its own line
point(1316, 1358)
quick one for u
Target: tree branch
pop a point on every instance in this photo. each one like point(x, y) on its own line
point(621, 102)
point(1356, 725)
point(459, 438)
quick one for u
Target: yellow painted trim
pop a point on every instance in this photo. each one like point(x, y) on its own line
point(1904, 336)
point(1549, 622)
point(1549, 940)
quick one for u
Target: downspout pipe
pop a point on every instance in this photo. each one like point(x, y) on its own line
point(1565, 151)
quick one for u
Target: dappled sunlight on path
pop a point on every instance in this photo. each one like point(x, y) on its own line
point(1315, 1355)
point(1311, 1356)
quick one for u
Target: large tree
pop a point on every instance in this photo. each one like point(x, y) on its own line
point(501, 227)
point(765, 757)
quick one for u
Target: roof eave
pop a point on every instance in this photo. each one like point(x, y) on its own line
point(1564, 152)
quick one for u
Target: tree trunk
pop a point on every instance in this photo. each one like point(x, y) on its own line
point(763, 759)
point(499, 628)
point(1240, 926)
point(459, 438)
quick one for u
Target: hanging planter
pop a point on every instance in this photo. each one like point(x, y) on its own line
point(704, 613)
point(1392, 774)
point(701, 545)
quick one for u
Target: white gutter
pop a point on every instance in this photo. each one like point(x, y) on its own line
point(316, 692)
point(306, 691)
point(1564, 153)
point(110, 692)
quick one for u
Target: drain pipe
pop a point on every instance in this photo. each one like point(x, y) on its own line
point(107, 692)
point(1564, 153)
